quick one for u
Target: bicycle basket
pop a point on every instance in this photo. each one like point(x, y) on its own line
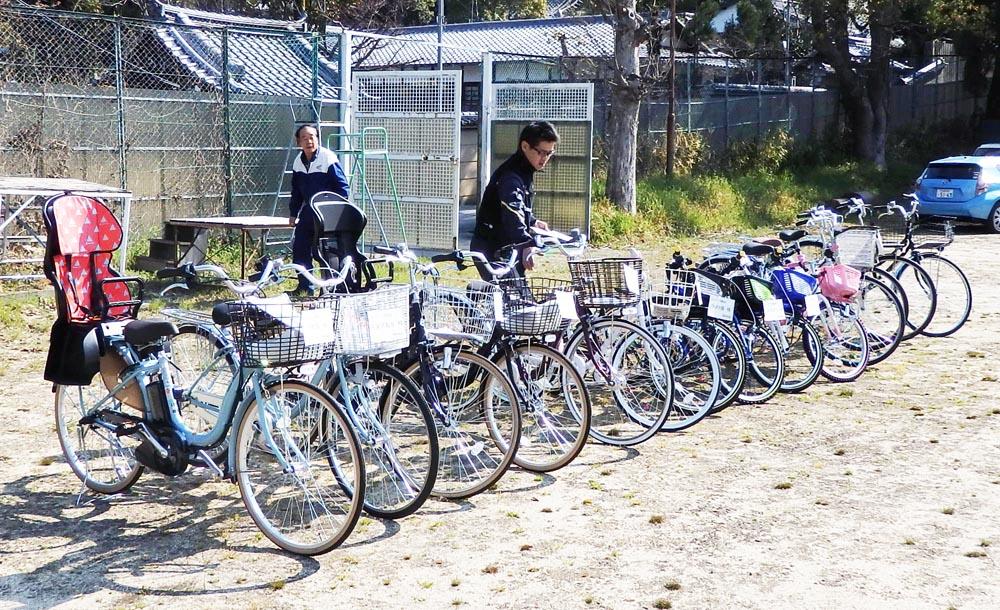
point(932, 235)
point(529, 305)
point(796, 285)
point(603, 282)
point(892, 226)
point(374, 322)
point(754, 289)
point(455, 313)
point(839, 283)
point(277, 332)
point(672, 299)
point(859, 247)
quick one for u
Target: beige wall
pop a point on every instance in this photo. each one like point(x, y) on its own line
point(468, 187)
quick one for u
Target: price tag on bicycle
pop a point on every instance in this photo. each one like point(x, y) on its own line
point(498, 307)
point(631, 279)
point(720, 307)
point(812, 305)
point(774, 310)
point(567, 305)
point(317, 326)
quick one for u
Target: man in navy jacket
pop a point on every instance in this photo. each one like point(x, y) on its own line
point(505, 213)
point(315, 170)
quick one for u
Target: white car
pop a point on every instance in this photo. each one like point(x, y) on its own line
point(987, 150)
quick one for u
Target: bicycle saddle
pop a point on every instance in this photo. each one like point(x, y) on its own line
point(142, 332)
point(757, 249)
point(789, 235)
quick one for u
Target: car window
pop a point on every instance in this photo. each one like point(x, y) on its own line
point(987, 151)
point(952, 171)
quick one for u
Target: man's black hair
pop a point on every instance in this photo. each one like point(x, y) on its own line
point(301, 127)
point(538, 131)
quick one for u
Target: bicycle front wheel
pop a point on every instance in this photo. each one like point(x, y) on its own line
point(765, 363)
point(284, 450)
point(628, 377)
point(729, 352)
point(954, 295)
point(921, 296)
point(881, 311)
point(477, 415)
point(397, 436)
point(555, 406)
point(697, 375)
point(802, 364)
point(845, 343)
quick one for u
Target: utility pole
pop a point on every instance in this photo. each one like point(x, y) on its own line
point(671, 103)
point(440, 24)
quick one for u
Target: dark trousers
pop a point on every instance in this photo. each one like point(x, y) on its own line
point(304, 246)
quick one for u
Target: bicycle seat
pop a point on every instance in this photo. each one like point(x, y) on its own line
point(142, 332)
point(757, 249)
point(790, 235)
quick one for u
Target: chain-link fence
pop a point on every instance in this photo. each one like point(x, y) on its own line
point(194, 120)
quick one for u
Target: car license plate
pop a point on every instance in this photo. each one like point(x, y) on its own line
point(945, 193)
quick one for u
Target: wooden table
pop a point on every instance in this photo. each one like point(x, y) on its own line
point(244, 224)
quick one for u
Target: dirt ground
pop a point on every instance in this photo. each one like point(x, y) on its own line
point(881, 493)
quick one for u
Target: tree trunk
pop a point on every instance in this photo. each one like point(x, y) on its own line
point(623, 126)
point(993, 97)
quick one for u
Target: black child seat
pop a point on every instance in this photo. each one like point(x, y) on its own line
point(339, 225)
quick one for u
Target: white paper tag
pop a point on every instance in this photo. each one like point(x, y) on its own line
point(812, 305)
point(774, 310)
point(498, 307)
point(631, 279)
point(707, 287)
point(317, 326)
point(720, 307)
point(567, 305)
point(384, 327)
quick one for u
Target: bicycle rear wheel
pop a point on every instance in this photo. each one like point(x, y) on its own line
point(801, 369)
point(103, 461)
point(398, 437)
point(765, 363)
point(845, 344)
point(921, 296)
point(628, 377)
point(284, 451)
point(555, 406)
point(477, 415)
point(954, 295)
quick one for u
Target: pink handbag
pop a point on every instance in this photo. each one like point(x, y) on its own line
point(839, 283)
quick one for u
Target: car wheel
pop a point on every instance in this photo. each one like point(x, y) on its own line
point(993, 220)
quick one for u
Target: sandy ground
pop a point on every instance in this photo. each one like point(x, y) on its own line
point(880, 493)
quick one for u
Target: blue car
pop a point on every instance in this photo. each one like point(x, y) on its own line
point(966, 188)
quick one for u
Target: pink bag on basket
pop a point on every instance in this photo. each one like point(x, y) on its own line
point(839, 283)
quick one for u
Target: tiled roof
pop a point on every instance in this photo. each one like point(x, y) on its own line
point(589, 36)
point(265, 63)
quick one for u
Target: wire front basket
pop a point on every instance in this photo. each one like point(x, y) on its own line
point(932, 235)
point(464, 313)
point(277, 332)
point(859, 247)
point(375, 322)
point(672, 298)
point(892, 226)
point(607, 282)
point(530, 307)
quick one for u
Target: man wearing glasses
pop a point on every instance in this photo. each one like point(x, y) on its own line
point(505, 213)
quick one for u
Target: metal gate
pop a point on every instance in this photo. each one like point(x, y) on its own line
point(563, 191)
point(421, 113)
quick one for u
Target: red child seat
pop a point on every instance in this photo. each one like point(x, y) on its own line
point(83, 235)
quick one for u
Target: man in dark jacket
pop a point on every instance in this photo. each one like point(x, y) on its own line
point(315, 170)
point(505, 213)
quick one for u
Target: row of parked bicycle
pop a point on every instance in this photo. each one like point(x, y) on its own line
point(379, 392)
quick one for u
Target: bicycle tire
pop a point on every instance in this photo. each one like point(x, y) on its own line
point(732, 361)
point(400, 442)
point(801, 370)
point(696, 370)
point(845, 344)
point(921, 296)
point(884, 324)
point(107, 466)
point(562, 423)
point(954, 303)
point(765, 364)
point(478, 410)
point(309, 431)
point(618, 416)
